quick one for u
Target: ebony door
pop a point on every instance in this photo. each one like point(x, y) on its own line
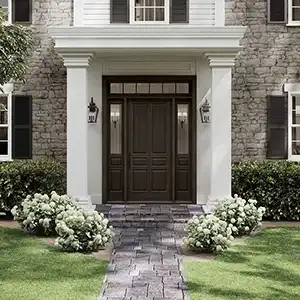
point(149, 150)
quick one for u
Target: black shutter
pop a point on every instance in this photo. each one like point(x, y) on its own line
point(22, 11)
point(119, 11)
point(21, 127)
point(277, 11)
point(179, 11)
point(277, 134)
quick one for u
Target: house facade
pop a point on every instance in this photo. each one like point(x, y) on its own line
point(149, 66)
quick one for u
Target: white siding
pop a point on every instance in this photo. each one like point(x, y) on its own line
point(97, 12)
point(202, 12)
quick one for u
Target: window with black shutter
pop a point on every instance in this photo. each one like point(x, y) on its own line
point(179, 11)
point(277, 126)
point(149, 11)
point(119, 11)
point(21, 127)
point(277, 11)
point(21, 11)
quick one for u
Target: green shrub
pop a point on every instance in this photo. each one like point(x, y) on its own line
point(274, 184)
point(21, 178)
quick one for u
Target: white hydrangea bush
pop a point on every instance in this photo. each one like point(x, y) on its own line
point(37, 213)
point(82, 231)
point(243, 215)
point(208, 234)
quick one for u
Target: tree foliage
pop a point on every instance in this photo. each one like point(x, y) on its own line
point(16, 43)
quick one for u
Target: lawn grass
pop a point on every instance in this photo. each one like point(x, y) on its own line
point(32, 270)
point(265, 267)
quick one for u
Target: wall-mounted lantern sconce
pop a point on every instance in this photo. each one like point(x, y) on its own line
point(115, 117)
point(205, 112)
point(182, 117)
point(93, 111)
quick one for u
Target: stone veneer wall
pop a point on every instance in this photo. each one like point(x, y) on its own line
point(46, 81)
point(270, 58)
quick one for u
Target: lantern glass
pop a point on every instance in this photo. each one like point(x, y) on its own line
point(93, 111)
point(205, 112)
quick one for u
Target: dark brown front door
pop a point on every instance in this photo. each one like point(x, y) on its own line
point(149, 150)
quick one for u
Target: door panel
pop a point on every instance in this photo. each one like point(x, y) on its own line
point(149, 150)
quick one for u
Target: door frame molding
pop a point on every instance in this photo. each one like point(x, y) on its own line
point(106, 80)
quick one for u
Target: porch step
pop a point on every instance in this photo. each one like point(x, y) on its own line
point(144, 215)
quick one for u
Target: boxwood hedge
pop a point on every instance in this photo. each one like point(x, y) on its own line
point(274, 184)
point(23, 177)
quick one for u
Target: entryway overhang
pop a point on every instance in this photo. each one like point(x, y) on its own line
point(122, 38)
point(152, 45)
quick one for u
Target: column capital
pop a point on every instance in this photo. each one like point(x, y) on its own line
point(77, 60)
point(221, 59)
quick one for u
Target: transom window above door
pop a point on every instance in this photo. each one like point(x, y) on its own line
point(149, 11)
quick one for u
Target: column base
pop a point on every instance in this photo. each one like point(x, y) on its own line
point(86, 204)
point(209, 206)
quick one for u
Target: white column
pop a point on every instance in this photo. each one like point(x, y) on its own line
point(77, 127)
point(220, 127)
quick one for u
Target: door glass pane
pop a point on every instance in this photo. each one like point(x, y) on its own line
point(115, 129)
point(169, 88)
point(155, 88)
point(116, 88)
point(129, 88)
point(182, 129)
point(182, 88)
point(3, 110)
point(143, 88)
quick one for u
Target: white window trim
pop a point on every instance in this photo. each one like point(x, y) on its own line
point(9, 127)
point(132, 15)
point(290, 120)
point(9, 13)
point(290, 15)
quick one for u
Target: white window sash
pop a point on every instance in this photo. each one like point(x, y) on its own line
point(132, 14)
point(291, 156)
point(8, 156)
point(292, 22)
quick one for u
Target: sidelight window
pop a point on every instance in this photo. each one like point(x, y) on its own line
point(182, 129)
point(115, 129)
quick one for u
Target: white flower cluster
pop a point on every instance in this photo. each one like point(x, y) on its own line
point(208, 233)
point(243, 215)
point(82, 231)
point(37, 214)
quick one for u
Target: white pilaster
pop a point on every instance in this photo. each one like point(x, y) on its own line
point(77, 127)
point(220, 127)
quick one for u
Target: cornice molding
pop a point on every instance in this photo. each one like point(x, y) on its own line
point(76, 60)
point(221, 59)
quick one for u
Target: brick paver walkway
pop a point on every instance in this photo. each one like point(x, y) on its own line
point(146, 261)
